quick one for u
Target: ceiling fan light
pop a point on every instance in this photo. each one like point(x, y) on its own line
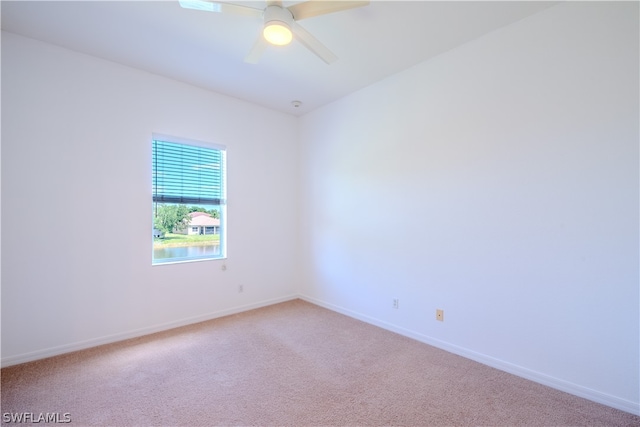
point(277, 33)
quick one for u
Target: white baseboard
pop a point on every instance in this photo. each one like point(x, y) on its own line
point(538, 377)
point(556, 383)
point(82, 345)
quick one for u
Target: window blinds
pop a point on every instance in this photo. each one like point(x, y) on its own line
point(187, 174)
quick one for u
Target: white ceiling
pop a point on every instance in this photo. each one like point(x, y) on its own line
point(208, 49)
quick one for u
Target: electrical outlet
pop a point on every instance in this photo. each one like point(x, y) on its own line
point(440, 315)
point(240, 289)
point(396, 303)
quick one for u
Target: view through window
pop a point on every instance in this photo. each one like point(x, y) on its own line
point(188, 200)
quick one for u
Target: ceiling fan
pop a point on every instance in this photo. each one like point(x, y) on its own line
point(280, 23)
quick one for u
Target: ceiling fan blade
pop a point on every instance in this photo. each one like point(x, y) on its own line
point(221, 7)
point(312, 8)
point(256, 51)
point(313, 44)
point(200, 5)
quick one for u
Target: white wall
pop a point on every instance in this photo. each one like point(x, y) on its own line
point(76, 202)
point(499, 182)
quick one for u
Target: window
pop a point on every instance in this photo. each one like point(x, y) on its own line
point(188, 200)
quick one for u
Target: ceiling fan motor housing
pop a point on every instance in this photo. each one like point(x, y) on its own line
point(277, 13)
point(277, 25)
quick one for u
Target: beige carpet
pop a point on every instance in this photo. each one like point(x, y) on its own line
point(291, 364)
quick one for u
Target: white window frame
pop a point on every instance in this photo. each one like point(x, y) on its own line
point(222, 207)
